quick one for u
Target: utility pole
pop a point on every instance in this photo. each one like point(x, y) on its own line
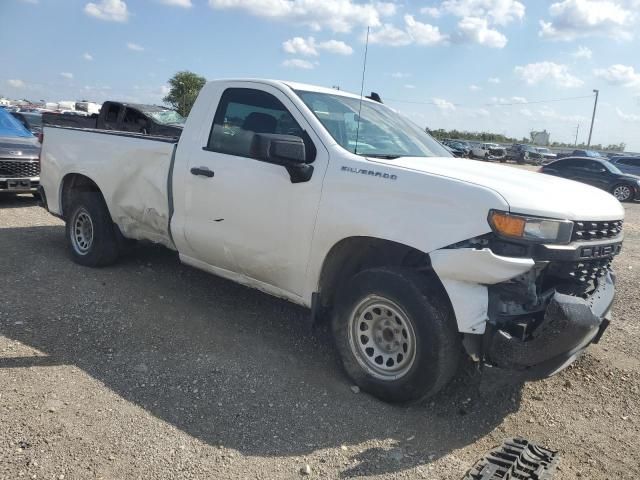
point(575, 144)
point(593, 117)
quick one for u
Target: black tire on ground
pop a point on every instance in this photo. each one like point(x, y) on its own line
point(91, 234)
point(629, 197)
point(486, 157)
point(437, 344)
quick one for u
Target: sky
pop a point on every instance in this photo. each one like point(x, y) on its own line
point(503, 66)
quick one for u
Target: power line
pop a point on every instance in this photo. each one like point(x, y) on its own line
point(497, 104)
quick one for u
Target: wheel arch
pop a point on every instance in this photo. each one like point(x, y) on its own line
point(72, 184)
point(354, 254)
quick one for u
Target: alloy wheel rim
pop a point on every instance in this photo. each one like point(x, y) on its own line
point(622, 192)
point(382, 338)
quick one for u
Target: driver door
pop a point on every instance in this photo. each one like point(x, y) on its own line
point(244, 215)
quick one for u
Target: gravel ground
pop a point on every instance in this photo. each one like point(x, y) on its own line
point(151, 369)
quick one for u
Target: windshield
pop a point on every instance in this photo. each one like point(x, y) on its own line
point(166, 117)
point(382, 132)
point(11, 127)
point(612, 168)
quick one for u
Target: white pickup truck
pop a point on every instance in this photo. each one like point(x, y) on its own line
point(340, 204)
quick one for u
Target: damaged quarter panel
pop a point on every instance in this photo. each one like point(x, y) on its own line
point(130, 171)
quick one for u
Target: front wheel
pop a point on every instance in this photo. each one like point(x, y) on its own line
point(91, 234)
point(623, 193)
point(396, 334)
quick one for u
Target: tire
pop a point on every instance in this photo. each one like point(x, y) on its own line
point(486, 157)
point(90, 232)
point(412, 318)
point(623, 192)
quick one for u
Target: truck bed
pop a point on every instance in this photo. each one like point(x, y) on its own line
point(131, 170)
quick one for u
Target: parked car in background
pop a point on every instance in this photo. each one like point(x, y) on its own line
point(597, 172)
point(546, 153)
point(581, 153)
point(19, 156)
point(125, 117)
point(457, 149)
point(32, 121)
point(488, 151)
point(629, 164)
point(522, 153)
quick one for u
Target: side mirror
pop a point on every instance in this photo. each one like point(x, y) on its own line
point(286, 150)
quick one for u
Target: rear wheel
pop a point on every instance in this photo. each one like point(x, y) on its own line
point(623, 192)
point(91, 234)
point(396, 334)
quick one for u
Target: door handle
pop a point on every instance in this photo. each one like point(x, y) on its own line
point(202, 171)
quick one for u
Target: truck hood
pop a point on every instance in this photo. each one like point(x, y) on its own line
point(526, 192)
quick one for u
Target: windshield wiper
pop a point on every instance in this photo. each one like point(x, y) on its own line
point(381, 155)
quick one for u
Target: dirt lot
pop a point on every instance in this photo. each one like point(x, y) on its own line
point(150, 369)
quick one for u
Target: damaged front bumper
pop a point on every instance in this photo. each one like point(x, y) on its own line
point(568, 325)
point(528, 311)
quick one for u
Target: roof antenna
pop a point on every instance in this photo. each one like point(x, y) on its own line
point(364, 69)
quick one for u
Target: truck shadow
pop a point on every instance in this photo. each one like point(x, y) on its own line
point(226, 364)
point(10, 200)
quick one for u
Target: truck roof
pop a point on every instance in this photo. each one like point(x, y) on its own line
point(295, 86)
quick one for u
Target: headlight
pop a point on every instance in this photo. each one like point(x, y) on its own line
point(533, 229)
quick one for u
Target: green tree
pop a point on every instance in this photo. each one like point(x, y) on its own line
point(183, 90)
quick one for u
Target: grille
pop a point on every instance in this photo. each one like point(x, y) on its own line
point(581, 272)
point(19, 169)
point(596, 230)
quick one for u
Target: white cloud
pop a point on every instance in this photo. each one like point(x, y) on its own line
point(550, 114)
point(443, 105)
point(16, 83)
point(298, 63)
point(431, 11)
point(477, 30)
point(508, 101)
point(336, 15)
point(135, 47)
point(309, 47)
point(300, 46)
point(67, 75)
point(390, 35)
point(494, 80)
point(400, 75)
point(618, 74)
point(478, 19)
point(109, 10)
point(534, 73)
point(526, 112)
point(500, 12)
point(582, 52)
point(571, 19)
point(409, 86)
point(87, 56)
point(336, 46)
point(423, 33)
point(627, 117)
point(474, 88)
point(414, 32)
point(178, 3)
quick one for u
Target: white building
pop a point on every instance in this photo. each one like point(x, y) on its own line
point(540, 138)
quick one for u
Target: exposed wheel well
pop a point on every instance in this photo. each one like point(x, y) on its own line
point(354, 254)
point(72, 184)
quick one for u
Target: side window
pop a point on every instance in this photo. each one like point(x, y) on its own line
point(593, 166)
point(112, 114)
point(633, 162)
point(134, 121)
point(243, 112)
point(565, 164)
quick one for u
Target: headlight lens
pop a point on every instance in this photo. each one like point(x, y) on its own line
point(533, 229)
